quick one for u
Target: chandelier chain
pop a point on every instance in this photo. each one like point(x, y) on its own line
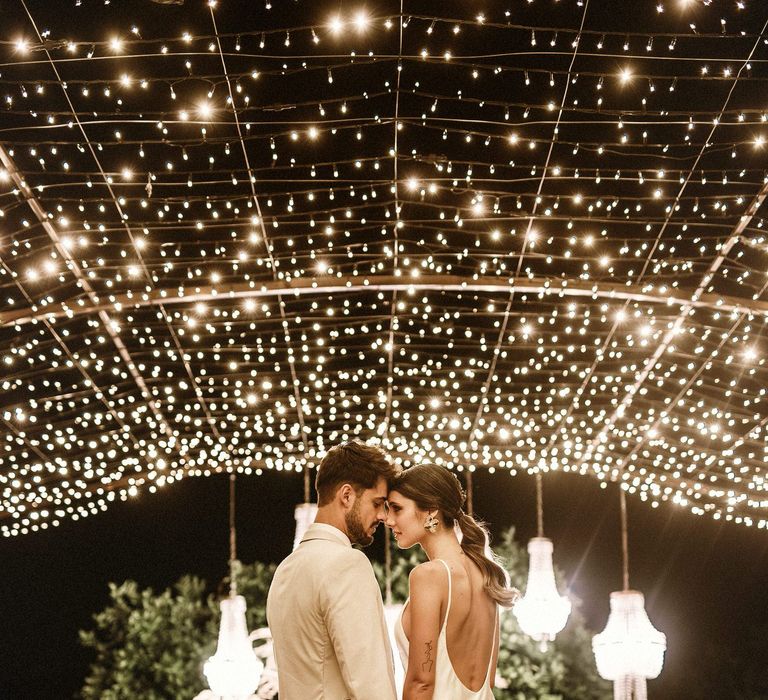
point(232, 536)
point(624, 546)
point(539, 506)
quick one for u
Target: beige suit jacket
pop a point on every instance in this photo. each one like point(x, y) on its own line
point(325, 613)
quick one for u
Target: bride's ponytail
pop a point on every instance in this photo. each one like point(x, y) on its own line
point(434, 487)
point(474, 543)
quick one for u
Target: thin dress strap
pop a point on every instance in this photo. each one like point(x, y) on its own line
point(448, 607)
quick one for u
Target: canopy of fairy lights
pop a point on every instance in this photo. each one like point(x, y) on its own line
point(517, 236)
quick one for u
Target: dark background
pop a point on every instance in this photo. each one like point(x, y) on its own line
point(703, 581)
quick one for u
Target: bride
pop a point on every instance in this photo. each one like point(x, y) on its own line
point(448, 631)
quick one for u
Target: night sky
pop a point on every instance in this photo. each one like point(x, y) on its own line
point(703, 582)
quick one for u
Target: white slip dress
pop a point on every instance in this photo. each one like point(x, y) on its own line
point(447, 683)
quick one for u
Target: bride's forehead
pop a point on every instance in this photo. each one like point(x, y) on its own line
point(397, 498)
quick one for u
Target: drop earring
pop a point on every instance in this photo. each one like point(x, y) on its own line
point(431, 523)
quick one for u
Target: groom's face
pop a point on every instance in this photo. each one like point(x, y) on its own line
point(366, 513)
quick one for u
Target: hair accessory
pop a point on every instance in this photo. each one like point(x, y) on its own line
point(431, 523)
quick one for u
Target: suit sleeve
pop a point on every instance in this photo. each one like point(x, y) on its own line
point(354, 618)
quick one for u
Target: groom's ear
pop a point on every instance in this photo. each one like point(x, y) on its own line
point(346, 495)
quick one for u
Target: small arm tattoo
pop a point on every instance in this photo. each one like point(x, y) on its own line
point(428, 661)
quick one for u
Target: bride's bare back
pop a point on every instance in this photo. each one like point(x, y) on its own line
point(472, 626)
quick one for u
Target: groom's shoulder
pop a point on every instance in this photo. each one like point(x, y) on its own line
point(343, 559)
point(325, 551)
point(322, 563)
point(349, 555)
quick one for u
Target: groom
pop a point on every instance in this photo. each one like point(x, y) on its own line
point(324, 607)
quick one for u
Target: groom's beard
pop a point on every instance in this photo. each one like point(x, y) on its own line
point(356, 530)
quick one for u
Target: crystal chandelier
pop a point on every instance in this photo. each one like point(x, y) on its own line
point(234, 671)
point(542, 612)
point(629, 650)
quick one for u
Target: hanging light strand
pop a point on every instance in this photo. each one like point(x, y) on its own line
point(300, 288)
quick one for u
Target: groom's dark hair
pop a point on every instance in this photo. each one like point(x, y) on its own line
point(353, 463)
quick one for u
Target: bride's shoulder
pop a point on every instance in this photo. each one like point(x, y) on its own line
point(427, 573)
point(428, 586)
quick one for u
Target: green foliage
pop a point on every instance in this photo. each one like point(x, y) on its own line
point(566, 671)
point(149, 645)
point(153, 646)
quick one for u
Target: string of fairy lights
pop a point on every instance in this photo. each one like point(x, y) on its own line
point(521, 239)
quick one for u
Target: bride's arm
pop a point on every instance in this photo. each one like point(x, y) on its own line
point(426, 589)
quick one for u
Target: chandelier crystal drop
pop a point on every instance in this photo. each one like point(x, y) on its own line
point(629, 650)
point(542, 612)
point(234, 671)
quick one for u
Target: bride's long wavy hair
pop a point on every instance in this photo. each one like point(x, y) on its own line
point(433, 487)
